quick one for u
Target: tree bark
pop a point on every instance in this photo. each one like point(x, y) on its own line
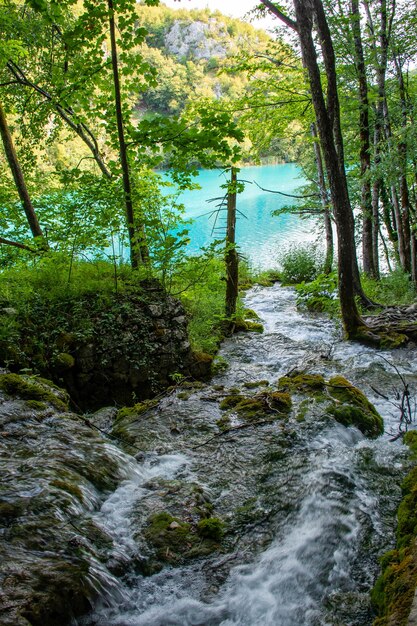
point(138, 250)
point(328, 260)
point(19, 178)
point(402, 158)
point(332, 110)
point(328, 124)
point(365, 145)
point(232, 260)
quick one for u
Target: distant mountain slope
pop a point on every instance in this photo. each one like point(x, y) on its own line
point(188, 48)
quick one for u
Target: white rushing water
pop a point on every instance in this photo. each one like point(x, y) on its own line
point(320, 561)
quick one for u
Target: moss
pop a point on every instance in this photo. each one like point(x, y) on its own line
point(350, 415)
point(38, 405)
point(248, 326)
point(256, 383)
point(250, 314)
point(176, 540)
point(378, 338)
point(224, 422)
point(393, 593)
point(30, 389)
point(64, 485)
point(184, 395)
point(192, 384)
point(250, 408)
point(136, 410)
point(302, 411)
point(211, 528)
point(297, 381)
point(261, 404)
point(202, 357)
point(410, 438)
point(64, 361)
point(231, 401)
point(280, 400)
point(361, 413)
point(394, 590)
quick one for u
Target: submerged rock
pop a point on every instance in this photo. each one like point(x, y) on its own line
point(353, 408)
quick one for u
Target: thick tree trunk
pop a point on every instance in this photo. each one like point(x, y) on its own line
point(328, 261)
point(328, 124)
point(136, 231)
point(332, 110)
point(18, 177)
point(232, 260)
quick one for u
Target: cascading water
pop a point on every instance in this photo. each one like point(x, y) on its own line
point(309, 504)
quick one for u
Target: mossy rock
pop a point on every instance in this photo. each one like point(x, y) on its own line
point(394, 591)
point(37, 405)
point(64, 361)
point(264, 403)
point(136, 410)
point(349, 415)
point(176, 541)
point(256, 383)
point(248, 326)
point(211, 528)
point(354, 408)
point(297, 381)
point(69, 487)
point(28, 388)
point(279, 400)
point(224, 422)
point(229, 402)
point(250, 314)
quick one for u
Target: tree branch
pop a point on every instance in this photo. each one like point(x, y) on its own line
point(16, 244)
point(288, 195)
point(284, 18)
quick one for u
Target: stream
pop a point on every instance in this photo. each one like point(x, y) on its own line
point(308, 504)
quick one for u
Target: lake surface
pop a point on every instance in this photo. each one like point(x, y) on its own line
point(261, 237)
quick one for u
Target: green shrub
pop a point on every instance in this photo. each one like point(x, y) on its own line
point(393, 288)
point(319, 295)
point(301, 264)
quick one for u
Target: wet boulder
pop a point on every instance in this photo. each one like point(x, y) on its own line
point(55, 469)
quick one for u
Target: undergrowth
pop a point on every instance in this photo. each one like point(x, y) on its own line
point(393, 288)
point(303, 263)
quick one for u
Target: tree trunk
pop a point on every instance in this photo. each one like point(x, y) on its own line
point(138, 250)
point(328, 261)
point(365, 144)
point(232, 260)
point(403, 157)
point(328, 123)
point(332, 111)
point(19, 178)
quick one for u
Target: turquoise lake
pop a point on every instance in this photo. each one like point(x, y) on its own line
point(260, 236)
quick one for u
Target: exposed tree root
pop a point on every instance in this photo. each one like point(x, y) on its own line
point(391, 328)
